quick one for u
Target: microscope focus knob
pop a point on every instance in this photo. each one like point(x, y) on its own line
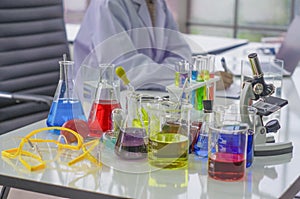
point(272, 126)
point(258, 88)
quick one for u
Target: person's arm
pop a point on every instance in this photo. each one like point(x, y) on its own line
point(107, 34)
point(170, 47)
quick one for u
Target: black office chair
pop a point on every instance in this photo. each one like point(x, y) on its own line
point(32, 41)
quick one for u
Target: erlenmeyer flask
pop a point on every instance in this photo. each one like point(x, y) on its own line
point(132, 138)
point(201, 146)
point(66, 104)
point(107, 98)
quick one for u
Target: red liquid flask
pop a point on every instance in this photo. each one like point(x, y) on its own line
point(100, 119)
point(107, 98)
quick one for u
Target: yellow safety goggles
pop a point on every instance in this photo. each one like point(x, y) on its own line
point(20, 152)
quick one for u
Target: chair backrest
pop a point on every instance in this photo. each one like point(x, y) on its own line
point(32, 41)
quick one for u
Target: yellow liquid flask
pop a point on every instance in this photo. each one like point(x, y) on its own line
point(169, 129)
point(66, 104)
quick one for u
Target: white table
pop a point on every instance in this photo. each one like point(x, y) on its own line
point(268, 177)
point(201, 44)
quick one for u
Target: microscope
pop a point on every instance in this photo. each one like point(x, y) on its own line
point(257, 93)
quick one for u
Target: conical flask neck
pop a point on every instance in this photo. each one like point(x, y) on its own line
point(108, 87)
point(106, 74)
point(66, 70)
point(66, 83)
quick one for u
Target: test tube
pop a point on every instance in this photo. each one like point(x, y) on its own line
point(194, 70)
point(211, 72)
point(200, 93)
point(177, 72)
point(182, 73)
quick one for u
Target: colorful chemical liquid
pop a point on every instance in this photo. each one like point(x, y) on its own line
point(232, 143)
point(194, 74)
point(194, 133)
point(201, 147)
point(201, 93)
point(182, 78)
point(64, 110)
point(171, 127)
point(168, 150)
point(200, 96)
point(100, 117)
point(226, 166)
point(131, 143)
point(250, 152)
point(203, 75)
point(177, 78)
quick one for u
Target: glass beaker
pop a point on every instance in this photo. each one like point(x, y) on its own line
point(227, 146)
point(130, 125)
point(169, 133)
point(246, 114)
point(66, 104)
point(106, 99)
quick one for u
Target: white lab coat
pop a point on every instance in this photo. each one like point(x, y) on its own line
point(121, 32)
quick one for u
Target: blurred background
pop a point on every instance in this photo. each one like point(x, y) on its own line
point(247, 19)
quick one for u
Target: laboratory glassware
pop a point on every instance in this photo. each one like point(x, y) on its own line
point(201, 146)
point(106, 99)
point(169, 134)
point(227, 146)
point(131, 125)
point(66, 104)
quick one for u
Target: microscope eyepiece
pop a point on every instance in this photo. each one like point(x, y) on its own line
point(255, 65)
point(260, 88)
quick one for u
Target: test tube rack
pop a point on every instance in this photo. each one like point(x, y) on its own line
point(175, 91)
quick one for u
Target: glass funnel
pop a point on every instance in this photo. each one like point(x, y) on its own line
point(66, 104)
point(107, 98)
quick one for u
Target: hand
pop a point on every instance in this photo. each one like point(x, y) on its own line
point(225, 81)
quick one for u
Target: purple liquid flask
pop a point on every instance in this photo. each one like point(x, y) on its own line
point(66, 104)
point(132, 137)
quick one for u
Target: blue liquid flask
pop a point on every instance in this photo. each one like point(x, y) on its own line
point(66, 105)
point(201, 146)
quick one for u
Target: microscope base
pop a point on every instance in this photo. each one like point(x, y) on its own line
point(272, 149)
